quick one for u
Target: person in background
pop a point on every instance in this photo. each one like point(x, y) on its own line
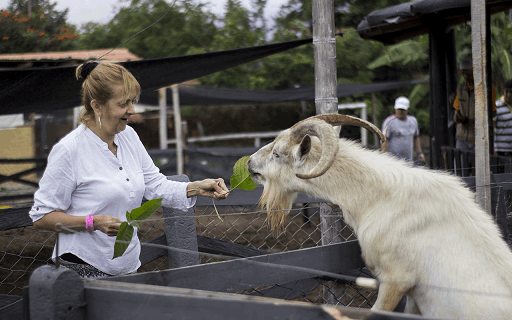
point(503, 124)
point(101, 170)
point(402, 132)
point(464, 105)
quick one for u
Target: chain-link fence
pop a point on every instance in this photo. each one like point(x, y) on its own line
point(24, 249)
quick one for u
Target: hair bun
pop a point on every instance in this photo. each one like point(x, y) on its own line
point(87, 68)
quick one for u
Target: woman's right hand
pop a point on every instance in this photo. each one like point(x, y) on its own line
point(107, 224)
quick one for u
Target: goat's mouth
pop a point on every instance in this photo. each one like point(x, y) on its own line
point(256, 177)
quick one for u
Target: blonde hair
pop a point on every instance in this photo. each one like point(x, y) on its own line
point(99, 83)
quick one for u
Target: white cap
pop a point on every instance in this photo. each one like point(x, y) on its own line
point(402, 103)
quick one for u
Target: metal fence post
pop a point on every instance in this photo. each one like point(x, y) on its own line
point(180, 232)
point(56, 293)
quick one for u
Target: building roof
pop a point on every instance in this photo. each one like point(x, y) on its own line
point(408, 20)
point(118, 55)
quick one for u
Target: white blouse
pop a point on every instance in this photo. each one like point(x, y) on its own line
point(84, 177)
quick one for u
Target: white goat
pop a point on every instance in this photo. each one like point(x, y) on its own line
point(421, 232)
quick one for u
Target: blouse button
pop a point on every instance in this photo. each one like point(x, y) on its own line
point(120, 168)
point(127, 179)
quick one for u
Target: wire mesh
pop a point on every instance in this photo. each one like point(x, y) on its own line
point(22, 250)
point(247, 225)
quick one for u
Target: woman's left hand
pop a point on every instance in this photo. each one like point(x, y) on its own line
point(213, 188)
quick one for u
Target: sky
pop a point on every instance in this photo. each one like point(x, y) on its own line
point(81, 11)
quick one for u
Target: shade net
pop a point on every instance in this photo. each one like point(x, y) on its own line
point(43, 90)
point(206, 95)
point(48, 89)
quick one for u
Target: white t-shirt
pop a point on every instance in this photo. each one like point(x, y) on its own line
point(84, 177)
point(401, 134)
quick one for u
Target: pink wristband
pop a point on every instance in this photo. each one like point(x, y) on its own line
point(89, 223)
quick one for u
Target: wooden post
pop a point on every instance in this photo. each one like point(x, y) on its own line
point(480, 70)
point(177, 129)
point(326, 101)
point(438, 98)
point(376, 140)
point(162, 102)
point(324, 45)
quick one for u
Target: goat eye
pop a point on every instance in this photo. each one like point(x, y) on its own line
point(275, 154)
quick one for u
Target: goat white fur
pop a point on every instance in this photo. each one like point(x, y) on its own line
point(421, 232)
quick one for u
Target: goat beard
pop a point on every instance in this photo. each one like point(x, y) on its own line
point(278, 204)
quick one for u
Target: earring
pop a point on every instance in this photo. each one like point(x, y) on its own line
point(99, 120)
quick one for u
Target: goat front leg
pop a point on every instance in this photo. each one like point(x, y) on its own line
point(390, 294)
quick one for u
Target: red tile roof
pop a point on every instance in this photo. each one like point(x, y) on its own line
point(118, 55)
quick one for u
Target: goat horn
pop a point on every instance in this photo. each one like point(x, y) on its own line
point(328, 138)
point(336, 119)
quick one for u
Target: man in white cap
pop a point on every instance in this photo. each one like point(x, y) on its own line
point(403, 135)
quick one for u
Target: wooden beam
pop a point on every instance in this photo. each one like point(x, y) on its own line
point(114, 300)
point(247, 273)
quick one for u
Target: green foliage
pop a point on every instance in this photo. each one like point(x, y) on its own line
point(134, 217)
point(352, 66)
point(143, 212)
point(42, 29)
point(404, 53)
point(186, 27)
point(241, 177)
point(124, 236)
point(501, 47)
point(241, 28)
point(191, 29)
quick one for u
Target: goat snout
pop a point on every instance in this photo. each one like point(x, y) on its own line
point(255, 175)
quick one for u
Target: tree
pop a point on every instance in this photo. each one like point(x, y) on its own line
point(34, 26)
point(241, 28)
point(501, 47)
point(184, 28)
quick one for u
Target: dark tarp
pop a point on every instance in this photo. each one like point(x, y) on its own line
point(205, 95)
point(47, 89)
point(408, 20)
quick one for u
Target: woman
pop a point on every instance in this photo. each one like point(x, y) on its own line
point(101, 170)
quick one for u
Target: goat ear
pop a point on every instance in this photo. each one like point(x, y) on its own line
point(305, 146)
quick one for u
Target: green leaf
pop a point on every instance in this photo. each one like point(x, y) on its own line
point(123, 239)
point(145, 211)
point(241, 178)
